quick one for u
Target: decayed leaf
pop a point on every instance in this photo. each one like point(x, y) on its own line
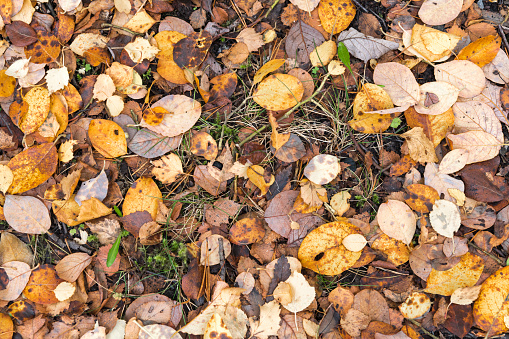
point(303, 294)
point(397, 220)
point(371, 98)
point(38, 102)
point(140, 22)
point(26, 214)
point(216, 328)
point(278, 92)
point(245, 231)
point(464, 274)
point(94, 188)
point(183, 114)
point(301, 40)
point(339, 202)
point(336, 15)
point(65, 151)
point(6, 178)
point(251, 38)
point(158, 331)
point(141, 49)
point(305, 5)
point(168, 168)
point(104, 87)
point(441, 182)
point(415, 306)
point(462, 74)
point(8, 83)
point(445, 218)
point(70, 267)
point(436, 97)
point(492, 306)
point(482, 51)
point(465, 295)
point(435, 13)
point(265, 326)
point(397, 252)
point(429, 43)
point(354, 322)
point(203, 144)
point(108, 138)
point(43, 281)
point(476, 116)
point(420, 147)
point(19, 274)
point(210, 250)
point(143, 195)
point(312, 195)
point(325, 243)
point(365, 47)
point(322, 169)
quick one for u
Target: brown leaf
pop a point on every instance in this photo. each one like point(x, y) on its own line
point(20, 33)
point(70, 267)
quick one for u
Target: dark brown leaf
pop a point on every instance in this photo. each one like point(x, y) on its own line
point(21, 34)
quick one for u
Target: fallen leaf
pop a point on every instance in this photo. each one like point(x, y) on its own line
point(64, 291)
point(265, 326)
point(436, 97)
point(354, 242)
point(19, 274)
point(301, 40)
point(322, 250)
point(465, 295)
point(322, 169)
point(398, 81)
point(365, 47)
point(216, 328)
point(435, 13)
point(492, 306)
point(498, 69)
point(354, 322)
point(339, 202)
point(462, 74)
point(43, 281)
point(70, 267)
point(255, 174)
point(143, 195)
point(65, 151)
point(481, 146)
point(415, 306)
point(251, 38)
point(140, 22)
point(158, 331)
point(245, 231)
point(267, 68)
point(57, 79)
point(441, 182)
point(168, 168)
point(476, 116)
point(482, 51)
point(26, 214)
point(13, 249)
point(305, 5)
point(397, 220)
point(104, 87)
point(336, 15)
point(94, 188)
point(323, 54)
point(445, 218)
point(464, 274)
point(204, 145)
point(420, 147)
point(210, 250)
point(278, 92)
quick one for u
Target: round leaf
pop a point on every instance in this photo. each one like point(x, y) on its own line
point(108, 138)
point(26, 214)
point(43, 280)
point(279, 92)
point(397, 220)
point(322, 169)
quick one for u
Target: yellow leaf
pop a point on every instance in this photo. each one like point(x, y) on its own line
point(420, 147)
point(267, 68)
point(464, 274)
point(255, 175)
point(482, 51)
point(108, 138)
point(143, 195)
point(279, 92)
point(216, 328)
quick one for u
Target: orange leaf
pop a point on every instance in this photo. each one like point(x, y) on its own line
point(482, 51)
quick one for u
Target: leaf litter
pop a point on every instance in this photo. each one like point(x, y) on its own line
point(297, 169)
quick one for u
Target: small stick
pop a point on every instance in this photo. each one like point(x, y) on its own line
point(122, 28)
point(222, 272)
point(504, 39)
point(422, 328)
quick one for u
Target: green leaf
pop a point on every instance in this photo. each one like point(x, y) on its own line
point(112, 253)
point(344, 55)
point(117, 210)
point(395, 122)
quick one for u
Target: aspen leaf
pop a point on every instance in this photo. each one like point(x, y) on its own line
point(108, 138)
point(143, 195)
point(7, 326)
point(465, 295)
point(482, 51)
point(140, 22)
point(104, 87)
point(492, 306)
point(64, 290)
point(115, 105)
point(168, 168)
point(398, 81)
point(476, 116)
point(355, 242)
point(306, 5)
point(41, 285)
point(397, 220)
point(279, 92)
point(322, 169)
point(441, 182)
point(415, 306)
point(354, 322)
point(57, 79)
point(7, 82)
point(255, 175)
point(445, 218)
point(429, 43)
point(26, 214)
point(18, 69)
point(94, 188)
point(421, 198)
point(38, 102)
point(325, 243)
point(436, 97)
point(464, 274)
point(65, 151)
point(339, 202)
point(335, 67)
point(13, 249)
point(323, 54)
point(371, 98)
point(204, 145)
point(498, 69)
point(303, 294)
point(141, 49)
